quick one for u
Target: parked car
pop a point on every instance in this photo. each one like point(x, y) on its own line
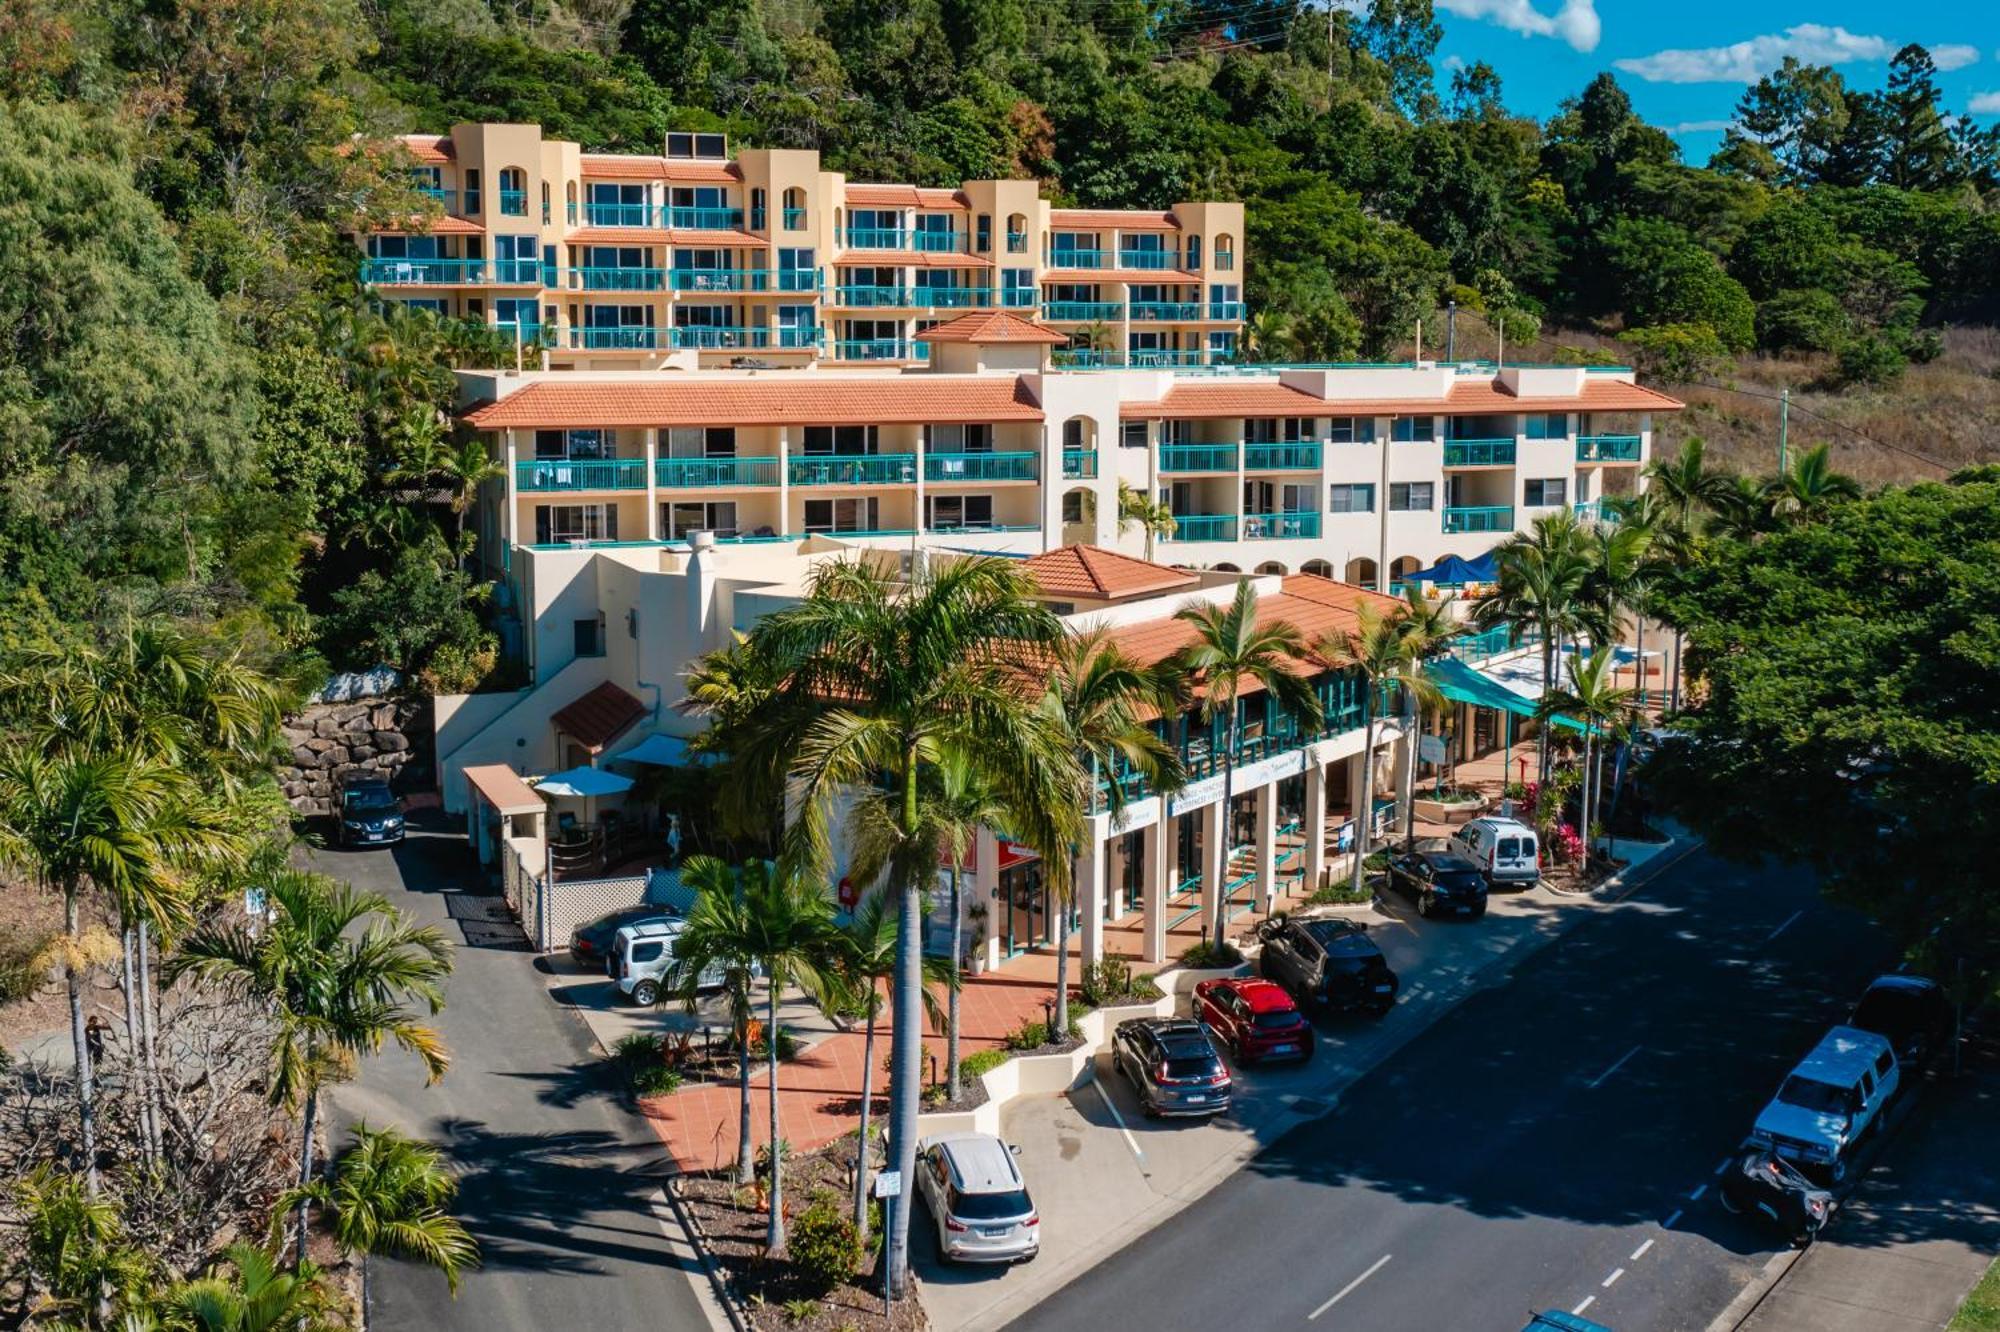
point(1832, 1100)
point(1440, 883)
point(1772, 1187)
point(1172, 1065)
point(1503, 850)
point(366, 812)
point(590, 943)
point(1910, 1012)
point(1555, 1320)
point(1254, 1018)
point(977, 1198)
point(643, 954)
point(1329, 961)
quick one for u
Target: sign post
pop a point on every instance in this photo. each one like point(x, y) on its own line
point(889, 1188)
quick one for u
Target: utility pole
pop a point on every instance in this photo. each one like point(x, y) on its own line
point(1451, 330)
point(1784, 423)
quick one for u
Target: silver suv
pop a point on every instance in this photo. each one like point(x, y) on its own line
point(978, 1199)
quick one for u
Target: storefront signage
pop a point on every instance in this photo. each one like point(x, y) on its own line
point(1013, 853)
point(1139, 814)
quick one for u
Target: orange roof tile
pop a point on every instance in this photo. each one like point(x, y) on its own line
point(992, 326)
point(1101, 575)
point(1113, 218)
point(647, 166)
point(910, 259)
point(1313, 605)
point(904, 196)
point(1226, 399)
point(430, 147)
point(1222, 399)
point(443, 226)
point(599, 717)
point(1117, 275)
point(800, 400)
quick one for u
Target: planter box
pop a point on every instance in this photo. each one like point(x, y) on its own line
point(1455, 811)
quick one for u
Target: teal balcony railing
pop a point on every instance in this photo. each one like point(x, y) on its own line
point(795, 219)
point(422, 272)
point(1300, 456)
point(796, 336)
point(1079, 464)
point(1492, 643)
point(1156, 357)
point(1148, 259)
point(618, 214)
point(1197, 457)
point(519, 272)
point(1231, 310)
point(1165, 311)
point(1079, 258)
point(635, 338)
point(874, 238)
point(860, 469)
point(872, 349)
point(1479, 453)
point(979, 466)
point(581, 474)
point(1597, 511)
point(1017, 242)
point(799, 279)
point(617, 279)
point(1017, 298)
point(934, 242)
point(712, 337)
point(1479, 518)
point(871, 298)
point(1607, 448)
point(445, 196)
point(523, 331)
point(514, 203)
point(722, 279)
point(1082, 312)
point(703, 219)
point(1204, 527)
point(711, 473)
point(951, 298)
point(1280, 526)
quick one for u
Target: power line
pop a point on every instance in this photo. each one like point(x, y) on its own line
point(1947, 468)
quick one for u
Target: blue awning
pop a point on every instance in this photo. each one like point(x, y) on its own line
point(661, 751)
point(1462, 684)
point(1452, 571)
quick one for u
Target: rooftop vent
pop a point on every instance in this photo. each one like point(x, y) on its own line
point(695, 147)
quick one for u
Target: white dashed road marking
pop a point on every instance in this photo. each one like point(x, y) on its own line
point(1598, 1081)
point(1348, 1289)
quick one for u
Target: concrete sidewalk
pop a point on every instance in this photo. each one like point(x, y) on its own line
point(1919, 1231)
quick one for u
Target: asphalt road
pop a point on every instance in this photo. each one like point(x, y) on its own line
point(558, 1182)
point(1551, 1142)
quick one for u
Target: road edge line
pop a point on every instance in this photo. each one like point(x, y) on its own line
point(690, 1224)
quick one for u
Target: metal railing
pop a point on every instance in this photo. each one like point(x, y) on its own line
point(617, 279)
point(1017, 242)
point(608, 214)
point(636, 338)
point(709, 473)
point(872, 349)
point(1280, 526)
point(1081, 258)
point(1231, 310)
point(1204, 527)
point(1607, 448)
point(859, 469)
point(1146, 259)
point(422, 272)
point(934, 242)
point(1197, 457)
point(800, 279)
point(1018, 298)
point(1297, 456)
point(951, 298)
point(1479, 518)
point(1479, 453)
point(871, 298)
point(1079, 464)
point(703, 219)
point(979, 466)
point(1082, 312)
point(1494, 642)
point(873, 238)
point(1597, 511)
point(445, 196)
point(514, 203)
point(794, 219)
point(1157, 312)
point(581, 474)
point(722, 279)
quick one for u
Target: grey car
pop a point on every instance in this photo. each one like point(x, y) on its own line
point(1172, 1066)
point(977, 1198)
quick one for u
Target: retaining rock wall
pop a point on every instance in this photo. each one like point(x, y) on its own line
point(389, 736)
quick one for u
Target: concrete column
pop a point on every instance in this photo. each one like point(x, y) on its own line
point(1267, 843)
point(985, 883)
point(1090, 898)
point(1115, 904)
point(1154, 948)
point(652, 484)
point(1313, 823)
point(923, 451)
point(511, 518)
point(1357, 798)
point(1214, 859)
point(784, 523)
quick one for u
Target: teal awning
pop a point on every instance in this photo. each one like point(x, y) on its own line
point(1462, 684)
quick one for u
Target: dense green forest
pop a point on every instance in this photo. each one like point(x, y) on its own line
point(204, 417)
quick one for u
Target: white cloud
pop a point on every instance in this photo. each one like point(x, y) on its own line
point(1454, 62)
point(1748, 61)
point(1575, 21)
point(1954, 55)
point(1699, 126)
point(1985, 104)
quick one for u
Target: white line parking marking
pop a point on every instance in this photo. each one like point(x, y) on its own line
point(1613, 1277)
point(1588, 1300)
point(1348, 1289)
point(1640, 1252)
point(1720, 1169)
point(1786, 926)
point(1698, 1191)
point(1119, 1120)
point(1599, 1079)
point(1668, 1224)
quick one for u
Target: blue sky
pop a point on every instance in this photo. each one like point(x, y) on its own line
point(1686, 62)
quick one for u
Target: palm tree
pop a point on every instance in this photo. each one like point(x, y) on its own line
point(1687, 487)
point(1424, 626)
point(1809, 487)
point(259, 1296)
point(75, 1254)
point(866, 960)
point(1099, 695)
point(1381, 654)
point(959, 804)
point(457, 468)
point(716, 941)
point(878, 678)
point(1230, 647)
point(1271, 335)
point(1135, 509)
point(388, 1194)
point(1541, 584)
point(333, 992)
point(1745, 514)
point(1620, 580)
point(1595, 705)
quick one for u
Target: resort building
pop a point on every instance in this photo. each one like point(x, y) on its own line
point(600, 260)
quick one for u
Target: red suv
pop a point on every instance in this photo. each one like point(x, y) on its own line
point(1255, 1018)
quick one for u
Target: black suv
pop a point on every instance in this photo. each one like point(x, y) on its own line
point(1909, 1012)
point(1171, 1065)
point(366, 812)
point(1328, 961)
point(1440, 883)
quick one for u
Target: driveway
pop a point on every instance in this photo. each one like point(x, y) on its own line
point(558, 1182)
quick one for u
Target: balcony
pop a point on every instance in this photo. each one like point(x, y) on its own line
point(799, 279)
point(1479, 518)
point(1204, 527)
point(952, 467)
point(581, 474)
point(1146, 259)
point(1607, 448)
point(523, 331)
point(794, 219)
point(720, 337)
point(1082, 312)
point(934, 242)
point(617, 279)
point(874, 238)
point(951, 298)
point(1078, 258)
point(860, 469)
point(722, 279)
point(1597, 511)
point(1163, 312)
point(1295, 457)
point(1479, 453)
point(703, 219)
point(1079, 464)
point(712, 473)
point(638, 337)
point(1231, 311)
point(618, 214)
point(872, 349)
point(872, 298)
point(1149, 358)
point(422, 272)
point(1017, 242)
point(514, 203)
point(1280, 526)
point(444, 196)
point(798, 336)
point(521, 273)
point(1017, 298)
point(1197, 457)
point(1494, 642)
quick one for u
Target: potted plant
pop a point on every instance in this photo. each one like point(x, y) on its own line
point(975, 946)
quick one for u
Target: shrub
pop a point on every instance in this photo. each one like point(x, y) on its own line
point(823, 1246)
point(1111, 982)
point(20, 975)
point(1872, 360)
point(1801, 321)
point(1211, 954)
point(798, 1311)
point(655, 1080)
point(982, 1061)
point(760, 1046)
point(1678, 352)
point(1339, 893)
point(1035, 1035)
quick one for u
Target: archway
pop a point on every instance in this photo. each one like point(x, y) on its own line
point(513, 191)
point(1361, 572)
point(1403, 566)
point(1225, 568)
point(1317, 568)
point(1270, 567)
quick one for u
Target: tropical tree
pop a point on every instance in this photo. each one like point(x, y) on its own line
point(389, 1194)
point(1381, 655)
point(1597, 706)
point(716, 942)
point(1687, 487)
point(1620, 579)
point(1153, 517)
point(1425, 625)
point(334, 991)
point(255, 1295)
point(1541, 584)
point(1099, 696)
point(876, 679)
point(76, 1257)
point(455, 468)
point(959, 804)
point(1233, 646)
point(1809, 487)
point(1746, 513)
point(866, 960)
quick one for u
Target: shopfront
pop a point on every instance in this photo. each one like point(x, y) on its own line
point(1024, 911)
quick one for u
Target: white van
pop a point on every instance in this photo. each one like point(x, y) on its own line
point(641, 956)
point(1831, 1100)
point(1505, 851)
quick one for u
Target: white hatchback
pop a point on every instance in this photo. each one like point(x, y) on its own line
point(978, 1199)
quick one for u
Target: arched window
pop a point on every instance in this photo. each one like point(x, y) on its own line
point(1225, 568)
point(513, 192)
point(1361, 572)
point(1194, 252)
point(1017, 234)
point(569, 201)
point(1403, 566)
point(1270, 567)
point(795, 209)
point(757, 198)
point(1317, 568)
point(545, 203)
point(1225, 255)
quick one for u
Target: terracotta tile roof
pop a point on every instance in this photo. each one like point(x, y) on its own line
point(1163, 275)
point(646, 166)
point(904, 196)
point(910, 259)
point(1101, 575)
point(1600, 394)
point(1226, 399)
point(799, 400)
point(1105, 219)
point(503, 789)
point(1341, 596)
point(443, 226)
point(1211, 400)
point(1313, 605)
point(992, 326)
point(430, 147)
point(599, 717)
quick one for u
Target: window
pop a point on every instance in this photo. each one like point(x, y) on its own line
point(1194, 252)
point(697, 145)
point(982, 232)
point(795, 209)
point(1410, 496)
point(589, 637)
point(842, 515)
point(1072, 506)
point(1072, 433)
point(1351, 499)
point(757, 197)
point(1413, 429)
point(1547, 494)
point(471, 175)
point(960, 439)
point(699, 441)
point(1351, 430)
point(1017, 234)
point(1132, 435)
point(1225, 255)
point(1221, 346)
point(575, 522)
point(513, 192)
point(1017, 287)
point(681, 517)
point(570, 445)
point(797, 270)
point(948, 513)
point(1546, 425)
point(847, 439)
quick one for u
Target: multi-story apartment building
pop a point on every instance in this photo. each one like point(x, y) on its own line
point(1364, 474)
point(603, 261)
